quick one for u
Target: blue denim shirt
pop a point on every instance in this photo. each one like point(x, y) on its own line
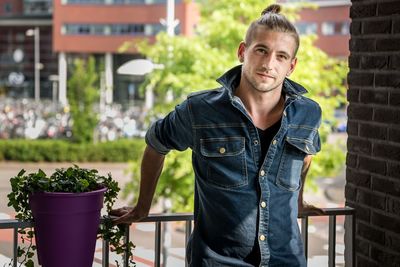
point(237, 202)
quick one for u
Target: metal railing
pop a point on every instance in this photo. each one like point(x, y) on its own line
point(349, 238)
point(158, 219)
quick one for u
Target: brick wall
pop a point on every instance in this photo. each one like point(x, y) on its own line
point(373, 159)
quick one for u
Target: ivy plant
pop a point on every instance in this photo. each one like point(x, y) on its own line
point(71, 180)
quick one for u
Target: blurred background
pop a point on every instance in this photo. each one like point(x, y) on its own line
point(81, 81)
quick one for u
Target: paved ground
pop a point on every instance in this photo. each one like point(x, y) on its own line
point(330, 195)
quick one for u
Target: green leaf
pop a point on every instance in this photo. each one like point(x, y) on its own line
point(29, 263)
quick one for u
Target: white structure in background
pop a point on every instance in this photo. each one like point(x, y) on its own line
point(37, 65)
point(141, 67)
point(62, 78)
point(109, 78)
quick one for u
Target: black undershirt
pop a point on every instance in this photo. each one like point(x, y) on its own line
point(266, 137)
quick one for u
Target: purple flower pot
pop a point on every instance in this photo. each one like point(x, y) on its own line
point(66, 226)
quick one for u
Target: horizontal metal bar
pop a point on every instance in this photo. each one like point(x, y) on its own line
point(13, 223)
point(331, 211)
point(168, 217)
point(162, 217)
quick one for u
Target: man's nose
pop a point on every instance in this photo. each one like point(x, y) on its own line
point(268, 61)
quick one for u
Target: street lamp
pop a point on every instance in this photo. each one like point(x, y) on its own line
point(138, 67)
point(141, 67)
point(37, 66)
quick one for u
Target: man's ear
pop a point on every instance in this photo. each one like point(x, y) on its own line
point(292, 66)
point(240, 51)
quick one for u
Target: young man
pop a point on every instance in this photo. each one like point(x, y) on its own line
point(251, 141)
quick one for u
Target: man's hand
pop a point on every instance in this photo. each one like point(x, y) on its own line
point(307, 209)
point(152, 164)
point(128, 215)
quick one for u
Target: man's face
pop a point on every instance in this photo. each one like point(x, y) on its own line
point(267, 60)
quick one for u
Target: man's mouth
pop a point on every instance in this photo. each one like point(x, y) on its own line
point(265, 75)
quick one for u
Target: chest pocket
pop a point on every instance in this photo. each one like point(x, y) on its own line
point(297, 145)
point(225, 161)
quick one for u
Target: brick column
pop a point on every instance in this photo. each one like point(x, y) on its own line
point(373, 159)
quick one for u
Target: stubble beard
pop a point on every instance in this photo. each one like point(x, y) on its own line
point(258, 86)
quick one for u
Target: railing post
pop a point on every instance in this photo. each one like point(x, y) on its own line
point(188, 231)
point(157, 249)
point(353, 240)
point(126, 240)
point(304, 235)
point(349, 240)
point(332, 241)
point(105, 254)
point(15, 249)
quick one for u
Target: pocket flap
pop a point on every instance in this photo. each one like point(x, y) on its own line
point(302, 145)
point(222, 147)
point(304, 138)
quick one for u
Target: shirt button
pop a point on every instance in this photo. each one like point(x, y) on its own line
point(262, 237)
point(274, 142)
point(263, 204)
point(255, 142)
point(262, 172)
point(222, 150)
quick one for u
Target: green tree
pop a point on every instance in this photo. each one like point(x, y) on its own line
point(193, 63)
point(82, 94)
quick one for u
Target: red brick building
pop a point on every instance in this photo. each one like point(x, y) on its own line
point(75, 28)
point(329, 20)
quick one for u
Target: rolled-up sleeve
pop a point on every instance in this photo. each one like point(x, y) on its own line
point(172, 132)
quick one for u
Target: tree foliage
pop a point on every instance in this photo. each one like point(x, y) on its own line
point(193, 63)
point(82, 94)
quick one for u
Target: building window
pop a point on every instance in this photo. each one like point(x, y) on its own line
point(335, 28)
point(7, 8)
point(117, 2)
point(111, 29)
point(38, 7)
point(80, 29)
point(127, 29)
point(128, 1)
point(345, 30)
point(86, 2)
point(306, 28)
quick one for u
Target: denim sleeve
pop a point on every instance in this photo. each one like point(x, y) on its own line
point(317, 139)
point(172, 132)
point(317, 143)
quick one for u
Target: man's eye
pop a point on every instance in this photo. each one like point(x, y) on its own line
point(261, 51)
point(282, 57)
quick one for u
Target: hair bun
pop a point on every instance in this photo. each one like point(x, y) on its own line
point(274, 8)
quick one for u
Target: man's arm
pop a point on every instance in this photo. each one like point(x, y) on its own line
point(303, 206)
point(152, 165)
